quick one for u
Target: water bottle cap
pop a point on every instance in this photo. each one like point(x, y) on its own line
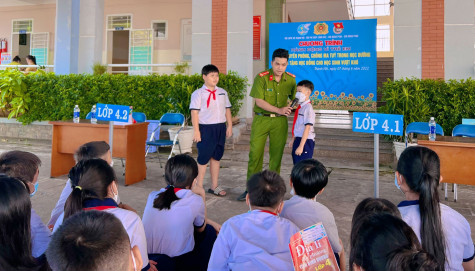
point(76, 105)
point(431, 118)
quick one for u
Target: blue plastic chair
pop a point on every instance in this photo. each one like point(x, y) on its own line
point(422, 128)
point(168, 118)
point(88, 116)
point(139, 117)
point(467, 130)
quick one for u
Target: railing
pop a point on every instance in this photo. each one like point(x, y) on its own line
point(48, 68)
point(144, 69)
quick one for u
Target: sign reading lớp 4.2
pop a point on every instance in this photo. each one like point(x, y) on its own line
point(339, 57)
point(112, 112)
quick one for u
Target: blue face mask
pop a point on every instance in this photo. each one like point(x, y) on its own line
point(395, 182)
point(36, 189)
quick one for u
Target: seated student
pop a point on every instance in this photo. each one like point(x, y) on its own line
point(385, 242)
point(442, 231)
point(92, 240)
point(175, 218)
point(308, 180)
point(25, 167)
point(97, 190)
point(90, 150)
point(15, 238)
point(258, 239)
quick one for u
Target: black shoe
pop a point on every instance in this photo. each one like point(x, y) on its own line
point(242, 197)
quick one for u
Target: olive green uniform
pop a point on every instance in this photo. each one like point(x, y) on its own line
point(268, 123)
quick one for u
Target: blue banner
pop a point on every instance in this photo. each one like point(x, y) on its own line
point(339, 57)
point(374, 123)
point(112, 112)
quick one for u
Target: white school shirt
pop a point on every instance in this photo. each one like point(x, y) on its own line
point(306, 117)
point(216, 112)
point(253, 241)
point(305, 212)
point(170, 231)
point(132, 224)
point(59, 208)
point(40, 235)
point(458, 240)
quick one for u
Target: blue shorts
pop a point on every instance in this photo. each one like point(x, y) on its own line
point(307, 150)
point(213, 138)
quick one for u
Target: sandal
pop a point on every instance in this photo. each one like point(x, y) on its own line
point(217, 191)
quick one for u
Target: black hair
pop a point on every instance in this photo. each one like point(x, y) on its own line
point(207, 69)
point(32, 58)
point(386, 242)
point(309, 177)
point(91, 150)
point(306, 83)
point(15, 233)
point(266, 189)
point(420, 167)
point(93, 178)
point(20, 164)
point(180, 172)
point(89, 240)
point(281, 53)
point(16, 59)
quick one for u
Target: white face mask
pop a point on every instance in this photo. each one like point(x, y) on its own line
point(300, 96)
point(116, 196)
point(292, 192)
point(112, 164)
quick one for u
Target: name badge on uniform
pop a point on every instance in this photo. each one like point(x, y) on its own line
point(269, 89)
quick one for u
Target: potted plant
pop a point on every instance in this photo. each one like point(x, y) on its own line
point(404, 97)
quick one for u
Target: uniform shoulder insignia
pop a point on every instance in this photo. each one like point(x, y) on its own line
point(291, 74)
point(263, 73)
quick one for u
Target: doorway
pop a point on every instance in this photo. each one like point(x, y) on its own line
point(118, 41)
point(21, 46)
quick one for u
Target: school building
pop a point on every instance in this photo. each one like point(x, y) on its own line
point(72, 35)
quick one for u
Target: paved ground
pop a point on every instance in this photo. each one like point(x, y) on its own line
point(350, 182)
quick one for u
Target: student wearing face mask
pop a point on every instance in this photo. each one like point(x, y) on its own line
point(97, 190)
point(303, 134)
point(90, 150)
point(25, 167)
point(258, 239)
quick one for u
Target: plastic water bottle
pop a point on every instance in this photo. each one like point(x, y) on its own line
point(131, 120)
point(93, 114)
point(432, 129)
point(76, 114)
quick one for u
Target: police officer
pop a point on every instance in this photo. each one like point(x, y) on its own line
point(271, 90)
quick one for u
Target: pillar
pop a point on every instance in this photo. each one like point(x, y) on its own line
point(201, 34)
point(66, 36)
point(90, 34)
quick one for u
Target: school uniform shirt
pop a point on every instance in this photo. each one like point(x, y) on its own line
point(255, 240)
point(170, 231)
point(305, 212)
point(59, 208)
point(216, 111)
point(40, 235)
point(306, 116)
point(130, 220)
point(458, 240)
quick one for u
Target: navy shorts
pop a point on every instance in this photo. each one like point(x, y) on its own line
point(213, 138)
point(307, 150)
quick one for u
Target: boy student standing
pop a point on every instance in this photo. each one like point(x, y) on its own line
point(303, 133)
point(308, 180)
point(210, 111)
point(258, 239)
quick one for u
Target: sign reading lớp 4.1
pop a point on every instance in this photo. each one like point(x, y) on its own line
point(339, 57)
point(374, 123)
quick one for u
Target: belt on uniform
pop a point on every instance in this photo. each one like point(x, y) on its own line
point(268, 115)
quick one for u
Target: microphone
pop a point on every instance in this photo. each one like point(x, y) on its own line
point(294, 102)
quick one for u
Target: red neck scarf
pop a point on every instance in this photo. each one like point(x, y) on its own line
point(296, 115)
point(211, 92)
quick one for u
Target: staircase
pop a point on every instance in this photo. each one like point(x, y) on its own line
point(334, 138)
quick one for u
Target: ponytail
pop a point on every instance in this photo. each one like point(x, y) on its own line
point(407, 259)
point(73, 203)
point(420, 167)
point(165, 199)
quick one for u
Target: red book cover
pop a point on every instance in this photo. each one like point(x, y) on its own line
point(311, 250)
